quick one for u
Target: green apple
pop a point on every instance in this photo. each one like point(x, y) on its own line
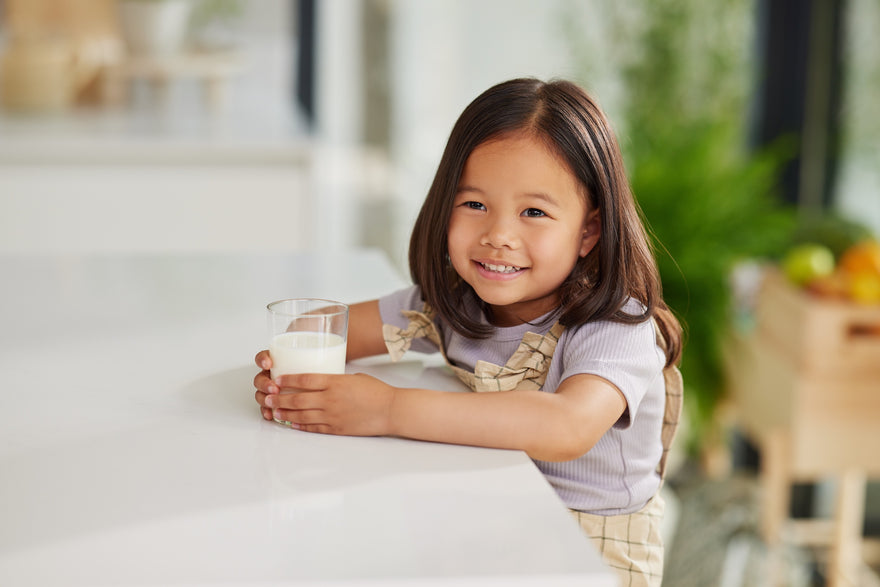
point(806, 262)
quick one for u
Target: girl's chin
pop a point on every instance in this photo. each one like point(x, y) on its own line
point(510, 310)
point(496, 299)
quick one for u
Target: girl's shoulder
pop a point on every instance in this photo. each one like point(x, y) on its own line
point(612, 337)
point(391, 305)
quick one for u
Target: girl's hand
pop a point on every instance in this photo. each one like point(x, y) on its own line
point(364, 339)
point(353, 405)
point(263, 383)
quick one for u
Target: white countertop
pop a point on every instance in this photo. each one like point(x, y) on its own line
point(133, 452)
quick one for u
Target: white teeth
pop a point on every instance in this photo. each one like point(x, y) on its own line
point(500, 268)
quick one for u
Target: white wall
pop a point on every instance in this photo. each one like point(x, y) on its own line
point(52, 208)
point(858, 181)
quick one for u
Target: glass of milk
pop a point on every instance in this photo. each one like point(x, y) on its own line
point(307, 335)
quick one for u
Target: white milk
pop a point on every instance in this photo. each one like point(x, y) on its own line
point(307, 352)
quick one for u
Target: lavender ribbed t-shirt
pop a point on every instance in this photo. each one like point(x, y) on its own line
point(618, 475)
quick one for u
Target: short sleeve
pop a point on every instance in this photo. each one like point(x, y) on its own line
point(626, 355)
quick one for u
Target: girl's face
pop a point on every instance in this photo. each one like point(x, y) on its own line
point(518, 226)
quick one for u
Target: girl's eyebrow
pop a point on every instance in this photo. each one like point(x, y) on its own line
point(543, 196)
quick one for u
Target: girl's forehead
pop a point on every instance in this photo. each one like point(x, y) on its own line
point(529, 148)
point(510, 144)
point(520, 164)
point(521, 151)
point(532, 136)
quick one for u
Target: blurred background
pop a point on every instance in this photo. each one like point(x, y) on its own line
point(751, 130)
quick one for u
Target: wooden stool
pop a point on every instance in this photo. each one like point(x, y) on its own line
point(806, 387)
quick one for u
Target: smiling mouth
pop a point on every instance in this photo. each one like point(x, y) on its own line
point(499, 268)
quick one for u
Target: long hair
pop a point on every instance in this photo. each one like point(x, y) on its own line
point(571, 124)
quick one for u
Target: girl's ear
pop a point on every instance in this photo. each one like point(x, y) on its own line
point(591, 233)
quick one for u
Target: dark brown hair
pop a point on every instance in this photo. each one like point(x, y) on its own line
point(573, 126)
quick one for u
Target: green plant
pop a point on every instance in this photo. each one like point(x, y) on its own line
point(707, 206)
point(707, 198)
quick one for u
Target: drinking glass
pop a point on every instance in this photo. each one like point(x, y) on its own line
point(307, 335)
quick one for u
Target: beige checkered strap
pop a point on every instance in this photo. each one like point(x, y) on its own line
point(673, 405)
point(421, 324)
point(526, 369)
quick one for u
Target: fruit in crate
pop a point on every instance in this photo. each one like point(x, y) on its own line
point(861, 262)
point(864, 288)
point(862, 257)
point(833, 285)
point(807, 262)
point(855, 277)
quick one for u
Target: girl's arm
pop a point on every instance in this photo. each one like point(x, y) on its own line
point(547, 426)
point(364, 331)
point(556, 426)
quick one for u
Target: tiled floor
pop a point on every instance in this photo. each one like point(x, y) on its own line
point(716, 540)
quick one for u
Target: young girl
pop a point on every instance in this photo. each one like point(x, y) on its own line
point(534, 277)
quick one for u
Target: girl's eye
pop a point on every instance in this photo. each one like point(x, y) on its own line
point(534, 213)
point(474, 205)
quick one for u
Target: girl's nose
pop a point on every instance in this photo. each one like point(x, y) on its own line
point(499, 233)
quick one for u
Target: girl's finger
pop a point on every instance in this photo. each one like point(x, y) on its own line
point(263, 382)
point(263, 360)
point(261, 400)
point(299, 417)
point(304, 381)
point(299, 400)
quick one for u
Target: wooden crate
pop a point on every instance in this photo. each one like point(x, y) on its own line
point(811, 369)
point(832, 338)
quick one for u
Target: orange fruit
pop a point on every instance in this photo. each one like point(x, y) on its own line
point(864, 288)
point(863, 257)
